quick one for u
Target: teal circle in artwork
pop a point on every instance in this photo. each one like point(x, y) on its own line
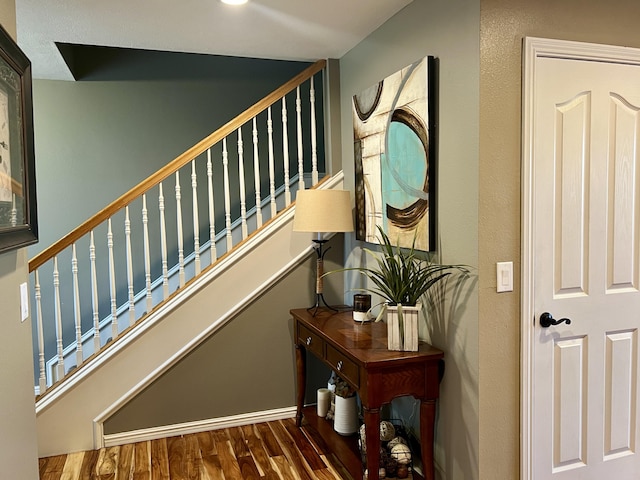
point(407, 157)
point(405, 170)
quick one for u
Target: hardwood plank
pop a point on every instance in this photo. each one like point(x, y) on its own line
point(193, 457)
point(271, 444)
point(237, 442)
point(51, 476)
point(72, 466)
point(88, 468)
point(176, 448)
point(344, 449)
point(125, 462)
point(336, 468)
point(54, 465)
point(159, 460)
point(142, 461)
point(107, 463)
point(228, 461)
point(220, 436)
point(260, 456)
point(291, 451)
point(306, 448)
point(325, 474)
point(213, 467)
point(207, 444)
point(340, 470)
point(248, 468)
point(283, 467)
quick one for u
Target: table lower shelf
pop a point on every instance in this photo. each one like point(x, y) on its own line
point(345, 448)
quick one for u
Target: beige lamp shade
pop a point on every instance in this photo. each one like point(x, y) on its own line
point(323, 211)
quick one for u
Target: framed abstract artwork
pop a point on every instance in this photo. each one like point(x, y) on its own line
point(18, 213)
point(395, 149)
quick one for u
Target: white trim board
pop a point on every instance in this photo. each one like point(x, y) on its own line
point(187, 428)
point(533, 49)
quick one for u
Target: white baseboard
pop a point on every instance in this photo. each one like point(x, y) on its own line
point(197, 426)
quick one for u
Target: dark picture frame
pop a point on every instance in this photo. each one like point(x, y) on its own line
point(18, 209)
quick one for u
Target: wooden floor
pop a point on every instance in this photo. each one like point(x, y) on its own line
point(272, 450)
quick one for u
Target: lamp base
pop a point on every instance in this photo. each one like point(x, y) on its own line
point(317, 306)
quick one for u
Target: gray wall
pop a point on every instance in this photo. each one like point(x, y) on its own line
point(18, 444)
point(448, 30)
point(247, 366)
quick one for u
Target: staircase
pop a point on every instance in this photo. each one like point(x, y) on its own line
point(90, 364)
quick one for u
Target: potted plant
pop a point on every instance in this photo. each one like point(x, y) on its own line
point(401, 276)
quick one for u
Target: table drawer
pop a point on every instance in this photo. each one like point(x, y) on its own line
point(343, 366)
point(312, 342)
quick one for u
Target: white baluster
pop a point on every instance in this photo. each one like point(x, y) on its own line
point(196, 221)
point(112, 283)
point(243, 199)
point(285, 152)
point(76, 304)
point(299, 135)
point(212, 212)
point(227, 195)
point(179, 226)
point(147, 253)
point(163, 245)
point(256, 174)
point(314, 146)
point(42, 379)
point(272, 174)
point(130, 292)
point(94, 295)
point(58, 317)
point(14, 212)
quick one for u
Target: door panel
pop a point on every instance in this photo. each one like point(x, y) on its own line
point(585, 230)
point(623, 195)
point(621, 383)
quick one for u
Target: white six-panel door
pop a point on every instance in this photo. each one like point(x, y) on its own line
point(581, 241)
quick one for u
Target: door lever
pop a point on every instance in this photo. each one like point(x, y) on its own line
point(546, 320)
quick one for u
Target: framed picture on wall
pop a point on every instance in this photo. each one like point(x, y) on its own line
point(395, 149)
point(18, 210)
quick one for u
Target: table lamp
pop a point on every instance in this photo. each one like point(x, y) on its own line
point(322, 211)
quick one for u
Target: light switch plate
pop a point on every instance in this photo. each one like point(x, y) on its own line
point(24, 302)
point(504, 277)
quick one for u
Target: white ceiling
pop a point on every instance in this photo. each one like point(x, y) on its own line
point(302, 30)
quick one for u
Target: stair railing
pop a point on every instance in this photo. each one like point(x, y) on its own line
point(143, 247)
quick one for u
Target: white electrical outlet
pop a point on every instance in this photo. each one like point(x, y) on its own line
point(24, 302)
point(504, 277)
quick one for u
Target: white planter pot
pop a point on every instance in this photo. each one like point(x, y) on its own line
point(402, 327)
point(345, 420)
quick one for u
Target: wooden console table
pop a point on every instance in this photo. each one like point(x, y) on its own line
point(359, 354)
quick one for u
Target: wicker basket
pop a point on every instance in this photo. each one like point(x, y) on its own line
point(396, 463)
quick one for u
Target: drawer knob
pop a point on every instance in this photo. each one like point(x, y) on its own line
point(308, 341)
point(339, 365)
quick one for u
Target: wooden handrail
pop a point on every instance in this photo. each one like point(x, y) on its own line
point(173, 166)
